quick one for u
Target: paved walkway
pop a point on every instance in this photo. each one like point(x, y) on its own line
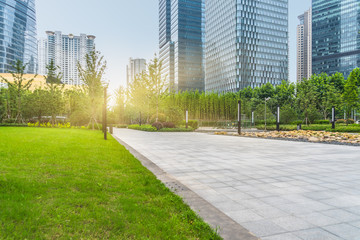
point(278, 190)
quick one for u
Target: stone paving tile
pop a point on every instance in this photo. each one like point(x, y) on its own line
point(319, 219)
point(263, 228)
point(341, 215)
point(316, 234)
point(243, 216)
point(344, 230)
point(283, 236)
point(261, 183)
point(291, 223)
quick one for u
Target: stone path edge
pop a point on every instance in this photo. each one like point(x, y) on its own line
point(225, 226)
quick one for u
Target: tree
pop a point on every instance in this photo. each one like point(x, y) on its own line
point(306, 100)
point(35, 103)
point(55, 101)
point(120, 102)
point(92, 76)
point(157, 84)
point(18, 87)
point(351, 93)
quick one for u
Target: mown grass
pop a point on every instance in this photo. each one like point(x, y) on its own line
point(71, 184)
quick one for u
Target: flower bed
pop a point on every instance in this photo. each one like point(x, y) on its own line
point(310, 136)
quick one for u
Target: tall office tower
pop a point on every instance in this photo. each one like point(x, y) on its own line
point(304, 47)
point(135, 67)
point(181, 43)
point(336, 34)
point(43, 56)
point(66, 51)
point(246, 43)
point(18, 34)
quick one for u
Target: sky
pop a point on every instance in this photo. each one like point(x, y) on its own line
point(127, 28)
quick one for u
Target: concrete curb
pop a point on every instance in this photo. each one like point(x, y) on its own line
point(226, 227)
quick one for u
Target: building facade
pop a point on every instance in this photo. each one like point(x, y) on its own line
point(304, 46)
point(18, 34)
point(66, 51)
point(135, 67)
point(246, 44)
point(181, 43)
point(336, 34)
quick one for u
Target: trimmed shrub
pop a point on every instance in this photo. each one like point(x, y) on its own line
point(339, 121)
point(195, 124)
point(350, 121)
point(322, 122)
point(146, 128)
point(177, 129)
point(157, 125)
point(168, 125)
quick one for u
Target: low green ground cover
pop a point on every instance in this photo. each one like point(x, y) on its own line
point(149, 128)
point(71, 184)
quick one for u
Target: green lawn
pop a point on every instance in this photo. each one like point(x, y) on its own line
point(71, 184)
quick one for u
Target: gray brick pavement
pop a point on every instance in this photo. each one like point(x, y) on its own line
point(275, 189)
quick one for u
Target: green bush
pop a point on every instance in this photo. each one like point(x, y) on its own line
point(176, 129)
point(340, 121)
point(158, 125)
point(345, 129)
point(297, 122)
point(195, 124)
point(322, 122)
point(147, 128)
point(350, 121)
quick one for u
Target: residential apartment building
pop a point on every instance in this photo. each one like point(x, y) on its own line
point(336, 34)
point(181, 43)
point(246, 43)
point(135, 67)
point(304, 47)
point(66, 51)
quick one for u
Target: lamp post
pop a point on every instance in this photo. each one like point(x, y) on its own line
point(105, 113)
point(239, 117)
point(266, 99)
point(278, 119)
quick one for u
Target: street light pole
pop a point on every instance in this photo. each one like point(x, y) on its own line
point(278, 119)
point(239, 117)
point(266, 99)
point(105, 113)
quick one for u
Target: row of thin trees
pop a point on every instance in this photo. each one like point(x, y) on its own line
point(308, 100)
point(81, 105)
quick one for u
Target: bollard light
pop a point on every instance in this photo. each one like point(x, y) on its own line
point(333, 117)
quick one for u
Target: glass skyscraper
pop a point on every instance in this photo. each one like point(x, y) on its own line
point(246, 43)
point(181, 42)
point(18, 34)
point(336, 36)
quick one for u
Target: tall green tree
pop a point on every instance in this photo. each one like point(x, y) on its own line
point(55, 100)
point(92, 76)
point(18, 87)
point(351, 93)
